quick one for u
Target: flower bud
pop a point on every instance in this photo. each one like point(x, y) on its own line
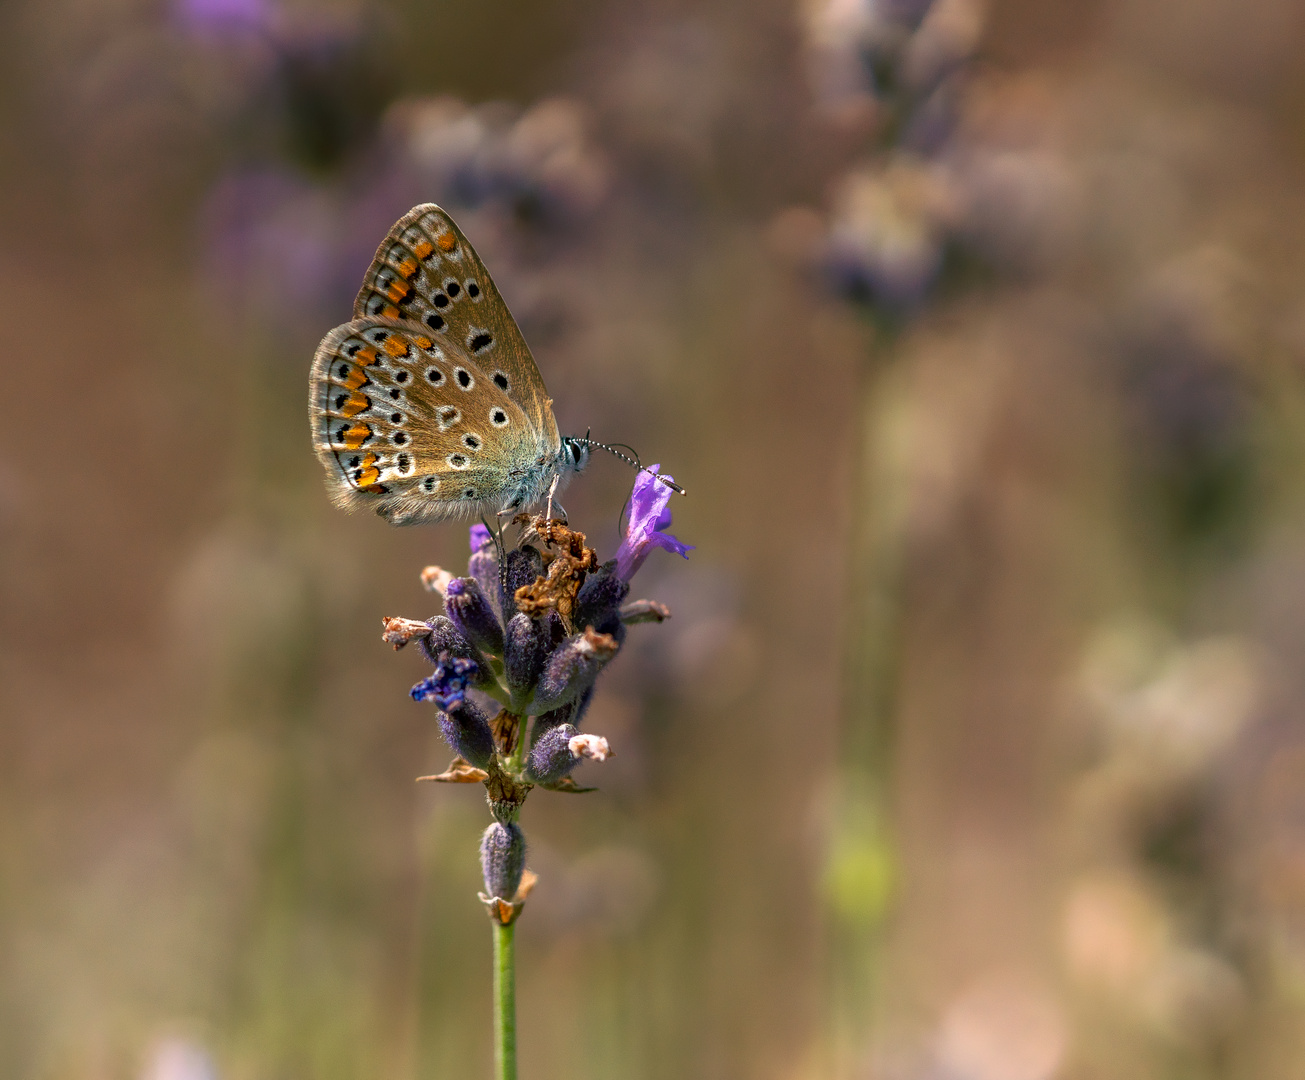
point(502, 859)
point(572, 669)
point(560, 750)
point(524, 652)
point(599, 601)
point(469, 609)
point(522, 566)
point(483, 566)
point(466, 730)
point(444, 640)
point(570, 713)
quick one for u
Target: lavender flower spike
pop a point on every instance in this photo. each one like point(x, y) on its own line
point(649, 518)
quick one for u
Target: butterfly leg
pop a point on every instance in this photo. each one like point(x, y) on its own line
point(552, 490)
point(500, 549)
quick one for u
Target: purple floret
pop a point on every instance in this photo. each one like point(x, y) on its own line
point(650, 517)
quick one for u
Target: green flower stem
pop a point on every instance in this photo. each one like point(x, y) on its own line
point(505, 1004)
point(514, 762)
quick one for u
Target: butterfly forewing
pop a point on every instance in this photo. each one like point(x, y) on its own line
point(426, 272)
point(410, 426)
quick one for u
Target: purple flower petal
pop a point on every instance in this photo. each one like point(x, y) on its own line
point(649, 517)
point(447, 686)
point(479, 536)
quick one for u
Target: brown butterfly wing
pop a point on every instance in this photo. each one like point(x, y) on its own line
point(427, 272)
point(409, 426)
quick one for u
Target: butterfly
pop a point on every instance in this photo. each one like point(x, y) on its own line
point(428, 405)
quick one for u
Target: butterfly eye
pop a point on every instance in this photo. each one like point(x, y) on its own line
point(498, 418)
point(452, 288)
point(473, 290)
point(469, 493)
point(435, 322)
point(457, 461)
point(430, 483)
point(401, 377)
point(435, 375)
point(400, 439)
point(447, 417)
point(480, 341)
point(471, 442)
point(405, 463)
point(464, 378)
point(501, 381)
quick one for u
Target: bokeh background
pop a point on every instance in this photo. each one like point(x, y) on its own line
point(974, 749)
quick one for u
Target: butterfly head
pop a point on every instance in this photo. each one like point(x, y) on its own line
point(575, 453)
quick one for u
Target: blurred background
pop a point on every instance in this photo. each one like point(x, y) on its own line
point(974, 749)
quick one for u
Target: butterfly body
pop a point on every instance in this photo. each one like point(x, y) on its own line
point(428, 405)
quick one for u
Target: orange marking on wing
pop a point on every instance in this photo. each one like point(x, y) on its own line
point(355, 379)
point(356, 436)
point(357, 403)
point(396, 346)
point(366, 356)
point(369, 459)
point(397, 290)
point(390, 311)
point(368, 476)
point(422, 341)
point(422, 248)
point(446, 241)
point(406, 268)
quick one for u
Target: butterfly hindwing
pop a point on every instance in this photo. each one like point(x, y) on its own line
point(425, 271)
point(411, 426)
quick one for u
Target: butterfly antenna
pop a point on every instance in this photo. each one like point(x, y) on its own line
point(633, 462)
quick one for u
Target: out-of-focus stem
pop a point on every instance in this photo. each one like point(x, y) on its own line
point(863, 857)
point(505, 1003)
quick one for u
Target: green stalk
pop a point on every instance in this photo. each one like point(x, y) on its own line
point(505, 1004)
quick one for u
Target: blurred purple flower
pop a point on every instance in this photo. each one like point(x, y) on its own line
point(218, 16)
point(540, 167)
point(479, 537)
point(272, 242)
point(649, 518)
